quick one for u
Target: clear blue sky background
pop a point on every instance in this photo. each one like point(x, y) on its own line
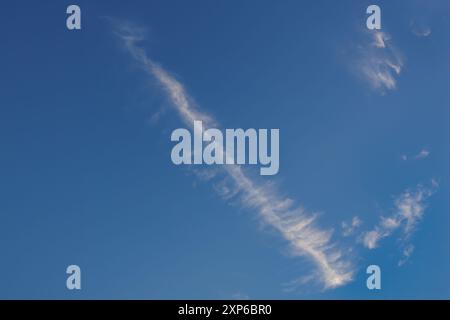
point(86, 176)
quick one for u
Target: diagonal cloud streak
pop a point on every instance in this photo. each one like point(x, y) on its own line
point(295, 225)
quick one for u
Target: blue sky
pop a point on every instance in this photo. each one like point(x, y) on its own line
point(87, 179)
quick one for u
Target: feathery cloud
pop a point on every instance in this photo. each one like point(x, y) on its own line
point(378, 62)
point(420, 28)
point(348, 228)
point(407, 252)
point(423, 154)
point(409, 209)
point(295, 225)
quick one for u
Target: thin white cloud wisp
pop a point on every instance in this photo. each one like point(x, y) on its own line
point(422, 154)
point(296, 226)
point(348, 228)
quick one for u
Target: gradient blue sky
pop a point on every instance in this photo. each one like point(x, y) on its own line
point(85, 170)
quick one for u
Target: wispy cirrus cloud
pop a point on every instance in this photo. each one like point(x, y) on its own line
point(408, 212)
point(406, 254)
point(421, 30)
point(348, 228)
point(422, 154)
point(298, 227)
point(239, 296)
point(378, 62)
point(420, 25)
